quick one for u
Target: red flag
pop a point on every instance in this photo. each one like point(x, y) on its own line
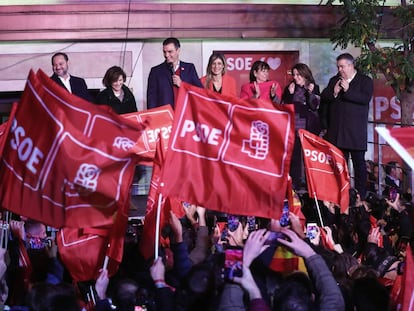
point(83, 251)
point(96, 121)
point(54, 170)
point(229, 154)
point(5, 128)
point(115, 249)
point(326, 242)
point(408, 282)
point(147, 243)
point(285, 261)
point(326, 170)
point(159, 124)
point(401, 140)
point(373, 222)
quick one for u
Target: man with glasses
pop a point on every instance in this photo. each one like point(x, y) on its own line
point(345, 102)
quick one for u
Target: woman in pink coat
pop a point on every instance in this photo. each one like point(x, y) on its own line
point(260, 86)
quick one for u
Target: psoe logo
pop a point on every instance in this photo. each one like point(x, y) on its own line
point(201, 133)
point(123, 143)
point(164, 132)
point(318, 156)
point(323, 158)
point(87, 177)
point(257, 146)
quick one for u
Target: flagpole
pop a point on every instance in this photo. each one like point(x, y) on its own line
point(318, 209)
point(106, 261)
point(157, 226)
point(7, 228)
point(92, 295)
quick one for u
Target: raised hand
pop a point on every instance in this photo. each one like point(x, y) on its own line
point(101, 284)
point(254, 245)
point(296, 244)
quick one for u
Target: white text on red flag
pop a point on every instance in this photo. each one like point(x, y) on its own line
point(228, 154)
point(326, 170)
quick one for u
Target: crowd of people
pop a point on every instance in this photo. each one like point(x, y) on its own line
point(352, 260)
point(214, 261)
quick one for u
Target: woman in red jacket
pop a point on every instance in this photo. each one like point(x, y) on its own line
point(260, 86)
point(216, 78)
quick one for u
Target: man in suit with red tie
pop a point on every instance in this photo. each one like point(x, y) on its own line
point(165, 78)
point(74, 85)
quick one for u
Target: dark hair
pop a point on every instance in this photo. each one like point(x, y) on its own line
point(353, 196)
point(125, 294)
point(294, 293)
point(257, 65)
point(172, 40)
point(389, 166)
point(347, 57)
point(378, 258)
point(362, 271)
point(370, 295)
point(112, 74)
point(65, 56)
point(49, 297)
point(202, 284)
point(304, 71)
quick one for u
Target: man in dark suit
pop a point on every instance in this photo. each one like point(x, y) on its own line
point(346, 102)
point(392, 179)
point(74, 85)
point(165, 79)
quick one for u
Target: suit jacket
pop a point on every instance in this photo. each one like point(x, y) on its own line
point(160, 87)
point(78, 86)
point(347, 114)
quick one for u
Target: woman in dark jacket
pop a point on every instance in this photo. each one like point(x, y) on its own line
point(116, 94)
point(303, 93)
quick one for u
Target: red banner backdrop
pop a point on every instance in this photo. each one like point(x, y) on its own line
point(239, 64)
point(385, 109)
point(401, 140)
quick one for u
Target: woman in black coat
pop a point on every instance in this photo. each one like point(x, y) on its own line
point(303, 93)
point(116, 94)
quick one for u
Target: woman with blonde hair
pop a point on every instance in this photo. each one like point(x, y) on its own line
point(216, 78)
